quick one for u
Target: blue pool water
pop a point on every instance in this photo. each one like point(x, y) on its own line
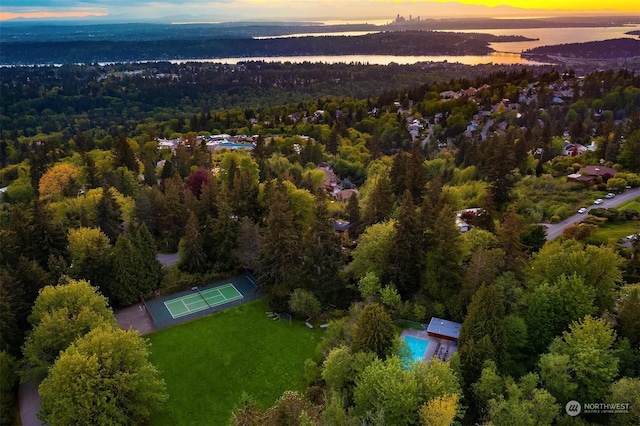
point(417, 347)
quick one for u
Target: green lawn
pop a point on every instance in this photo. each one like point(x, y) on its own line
point(208, 363)
point(613, 230)
point(631, 205)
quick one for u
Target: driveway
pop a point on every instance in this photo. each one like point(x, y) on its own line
point(168, 259)
point(555, 230)
point(29, 404)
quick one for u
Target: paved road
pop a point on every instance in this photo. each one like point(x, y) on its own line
point(555, 230)
point(29, 404)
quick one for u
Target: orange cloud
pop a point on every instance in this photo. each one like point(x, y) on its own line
point(5, 16)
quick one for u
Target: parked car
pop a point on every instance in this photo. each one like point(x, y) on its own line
point(582, 210)
point(610, 195)
point(598, 201)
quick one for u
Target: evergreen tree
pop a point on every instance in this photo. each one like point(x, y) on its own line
point(431, 204)
point(406, 254)
point(91, 174)
point(324, 257)
point(122, 288)
point(280, 254)
point(150, 270)
point(444, 257)
point(248, 250)
point(398, 173)
point(353, 214)
point(108, 216)
point(224, 237)
point(259, 150)
point(14, 310)
point(499, 162)
point(168, 170)
point(43, 236)
point(150, 173)
point(509, 236)
point(208, 202)
point(244, 197)
point(123, 155)
point(482, 334)
point(415, 174)
point(192, 256)
point(379, 203)
point(333, 144)
point(373, 332)
point(175, 212)
point(136, 271)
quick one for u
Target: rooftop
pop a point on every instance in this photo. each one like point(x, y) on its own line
point(443, 327)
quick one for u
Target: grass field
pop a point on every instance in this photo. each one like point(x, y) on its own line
point(631, 205)
point(613, 230)
point(208, 363)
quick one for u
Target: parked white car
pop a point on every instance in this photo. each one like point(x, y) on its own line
point(582, 210)
point(610, 195)
point(598, 201)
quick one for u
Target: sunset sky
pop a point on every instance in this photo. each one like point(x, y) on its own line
point(237, 10)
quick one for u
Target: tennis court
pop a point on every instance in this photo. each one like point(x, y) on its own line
point(201, 300)
point(187, 305)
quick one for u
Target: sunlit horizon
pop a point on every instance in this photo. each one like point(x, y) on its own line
point(7, 16)
point(378, 11)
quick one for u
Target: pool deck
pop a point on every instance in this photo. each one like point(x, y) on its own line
point(439, 348)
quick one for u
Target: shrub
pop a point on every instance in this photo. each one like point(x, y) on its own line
point(595, 220)
point(579, 231)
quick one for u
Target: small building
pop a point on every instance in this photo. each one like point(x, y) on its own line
point(341, 226)
point(590, 173)
point(344, 194)
point(444, 329)
point(462, 225)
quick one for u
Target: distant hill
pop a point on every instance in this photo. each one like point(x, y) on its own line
point(385, 43)
point(606, 49)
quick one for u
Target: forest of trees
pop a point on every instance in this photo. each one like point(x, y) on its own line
point(382, 43)
point(89, 203)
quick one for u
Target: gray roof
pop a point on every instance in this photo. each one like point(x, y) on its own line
point(444, 327)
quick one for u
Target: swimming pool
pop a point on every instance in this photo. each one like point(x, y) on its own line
point(417, 347)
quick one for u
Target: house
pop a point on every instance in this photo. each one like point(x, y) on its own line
point(573, 149)
point(463, 217)
point(470, 92)
point(171, 144)
point(330, 179)
point(341, 225)
point(344, 194)
point(443, 329)
point(449, 94)
point(590, 173)
point(462, 225)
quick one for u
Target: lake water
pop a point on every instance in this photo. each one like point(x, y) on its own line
point(551, 36)
point(493, 58)
point(507, 53)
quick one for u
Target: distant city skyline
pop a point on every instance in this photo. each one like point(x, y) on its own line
point(319, 10)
